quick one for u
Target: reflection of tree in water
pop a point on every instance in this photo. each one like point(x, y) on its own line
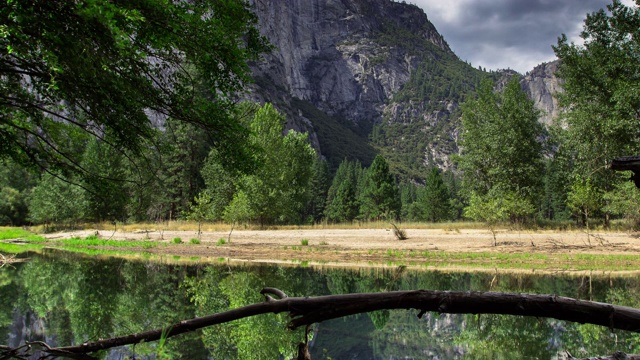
point(258, 337)
point(82, 298)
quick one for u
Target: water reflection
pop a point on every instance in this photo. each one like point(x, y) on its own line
point(65, 299)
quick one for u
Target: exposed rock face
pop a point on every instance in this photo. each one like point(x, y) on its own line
point(541, 84)
point(348, 58)
point(337, 55)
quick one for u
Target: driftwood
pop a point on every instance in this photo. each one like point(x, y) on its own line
point(8, 261)
point(309, 310)
point(616, 356)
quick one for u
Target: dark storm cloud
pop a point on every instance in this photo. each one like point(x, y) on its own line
point(516, 34)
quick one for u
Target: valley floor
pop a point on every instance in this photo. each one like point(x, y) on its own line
point(427, 248)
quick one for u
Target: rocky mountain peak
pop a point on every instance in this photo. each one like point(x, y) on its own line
point(341, 55)
point(362, 73)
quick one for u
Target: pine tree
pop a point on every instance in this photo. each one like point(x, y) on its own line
point(187, 148)
point(434, 198)
point(409, 207)
point(379, 197)
point(342, 201)
point(319, 187)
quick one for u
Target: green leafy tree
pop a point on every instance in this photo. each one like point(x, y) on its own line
point(55, 200)
point(493, 209)
point(148, 198)
point(200, 210)
point(584, 199)
point(278, 189)
point(106, 194)
point(557, 182)
point(379, 197)
point(602, 93)
point(457, 200)
point(120, 67)
point(15, 185)
point(220, 184)
point(500, 142)
point(186, 150)
point(624, 201)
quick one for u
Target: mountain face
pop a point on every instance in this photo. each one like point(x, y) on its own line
point(541, 84)
point(368, 76)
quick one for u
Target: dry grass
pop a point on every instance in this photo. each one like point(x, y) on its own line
point(183, 225)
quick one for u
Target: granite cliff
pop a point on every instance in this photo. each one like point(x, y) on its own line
point(541, 84)
point(368, 76)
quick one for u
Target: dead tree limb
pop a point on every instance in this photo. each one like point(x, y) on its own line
point(616, 356)
point(309, 310)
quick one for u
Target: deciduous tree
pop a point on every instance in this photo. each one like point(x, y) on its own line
point(500, 142)
point(278, 189)
point(602, 92)
point(120, 67)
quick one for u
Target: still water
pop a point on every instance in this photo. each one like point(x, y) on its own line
point(63, 298)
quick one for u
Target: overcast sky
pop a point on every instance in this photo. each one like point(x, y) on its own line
point(500, 34)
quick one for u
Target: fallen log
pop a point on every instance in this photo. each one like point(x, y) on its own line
point(615, 356)
point(310, 310)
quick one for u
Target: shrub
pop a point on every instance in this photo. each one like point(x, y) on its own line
point(399, 233)
point(195, 241)
point(304, 242)
point(177, 240)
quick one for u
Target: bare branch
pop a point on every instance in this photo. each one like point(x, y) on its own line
point(308, 310)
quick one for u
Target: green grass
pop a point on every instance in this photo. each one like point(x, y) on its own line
point(96, 252)
point(195, 241)
point(95, 241)
point(177, 240)
point(221, 241)
point(7, 233)
point(18, 248)
point(304, 242)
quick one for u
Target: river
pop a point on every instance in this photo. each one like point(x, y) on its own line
point(63, 298)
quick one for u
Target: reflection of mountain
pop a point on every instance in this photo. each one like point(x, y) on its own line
point(27, 327)
point(344, 339)
point(406, 337)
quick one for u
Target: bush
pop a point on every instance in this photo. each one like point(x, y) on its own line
point(304, 242)
point(195, 241)
point(399, 233)
point(222, 241)
point(177, 240)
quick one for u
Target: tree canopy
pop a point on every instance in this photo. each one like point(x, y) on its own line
point(501, 153)
point(116, 70)
point(602, 92)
